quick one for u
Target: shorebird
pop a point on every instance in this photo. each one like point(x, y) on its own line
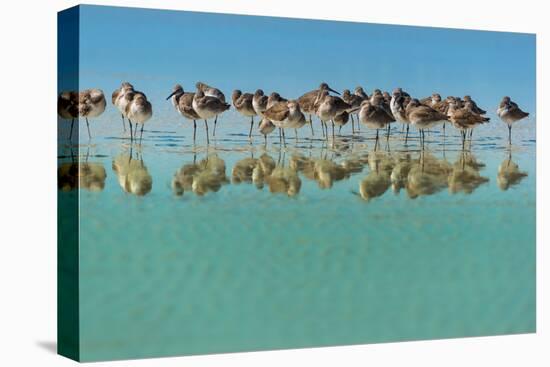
point(328, 107)
point(67, 107)
point(431, 100)
point(210, 91)
point(387, 97)
point(360, 92)
point(378, 99)
point(509, 112)
point(342, 119)
point(307, 101)
point(208, 107)
point(183, 102)
point(298, 122)
point(470, 104)
point(374, 117)
point(354, 101)
point(422, 117)
point(398, 105)
point(116, 98)
point(266, 127)
point(91, 103)
point(285, 114)
point(244, 104)
point(259, 103)
point(376, 93)
point(463, 118)
point(273, 99)
point(140, 111)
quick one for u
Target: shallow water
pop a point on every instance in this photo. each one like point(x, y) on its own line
point(187, 248)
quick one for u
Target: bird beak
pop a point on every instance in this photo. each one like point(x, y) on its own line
point(333, 91)
point(171, 94)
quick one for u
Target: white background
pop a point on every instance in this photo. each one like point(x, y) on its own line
point(28, 182)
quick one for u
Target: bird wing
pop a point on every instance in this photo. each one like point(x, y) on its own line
point(441, 106)
point(428, 114)
point(278, 112)
point(185, 105)
point(307, 100)
point(515, 111)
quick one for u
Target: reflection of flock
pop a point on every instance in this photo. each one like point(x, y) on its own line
point(420, 176)
point(377, 111)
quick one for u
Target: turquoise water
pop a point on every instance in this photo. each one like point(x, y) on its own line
point(187, 248)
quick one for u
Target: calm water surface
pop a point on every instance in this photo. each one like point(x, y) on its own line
point(187, 248)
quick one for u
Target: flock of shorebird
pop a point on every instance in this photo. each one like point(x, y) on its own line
point(376, 111)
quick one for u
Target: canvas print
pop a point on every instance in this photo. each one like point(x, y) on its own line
point(241, 183)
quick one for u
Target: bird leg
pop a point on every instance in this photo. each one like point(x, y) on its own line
point(376, 141)
point(207, 137)
point(388, 134)
point(311, 125)
point(284, 138)
point(131, 135)
point(123, 124)
point(215, 123)
point(88, 125)
point(194, 130)
point(352, 124)
point(332, 122)
point(141, 134)
point(296, 135)
point(407, 134)
point(510, 134)
point(251, 125)
point(71, 133)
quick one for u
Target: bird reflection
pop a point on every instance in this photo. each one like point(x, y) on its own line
point(465, 176)
point(85, 175)
point(284, 180)
point(326, 171)
point(427, 176)
point(400, 172)
point(263, 169)
point(378, 181)
point(509, 174)
point(132, 174)
point(242, 170)
point(208, 175)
